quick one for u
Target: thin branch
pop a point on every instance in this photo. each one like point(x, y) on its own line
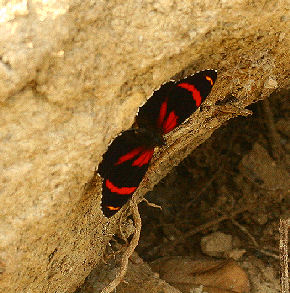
point(151, 204)
point(129, 251)
point(245, 230)
point(255, 243)
point(277, 150)
point(209, 224)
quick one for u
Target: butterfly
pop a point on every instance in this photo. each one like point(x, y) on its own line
point(127, 159)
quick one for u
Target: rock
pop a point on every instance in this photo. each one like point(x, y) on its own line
point(72, 76)
point(214, 276)
point(259, 167)
point(271, 83)
point(216, 244)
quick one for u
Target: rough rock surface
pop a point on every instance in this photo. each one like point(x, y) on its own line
point(139, 278)
point(73, 74)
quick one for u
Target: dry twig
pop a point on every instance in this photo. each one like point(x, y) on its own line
point(238, 111)
point(128, 252)
point(151, 204)
point(245, 230)
point(274, 138)
point(204, 188)
point(255, 243)
point(209, 224)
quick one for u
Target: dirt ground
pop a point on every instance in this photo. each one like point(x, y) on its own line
point(222, 203)
point(236, 183)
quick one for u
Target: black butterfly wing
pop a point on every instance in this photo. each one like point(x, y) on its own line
point(174, 102)
point(127, 158)
point(123, 168)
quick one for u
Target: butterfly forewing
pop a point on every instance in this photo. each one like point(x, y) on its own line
point(174, 102)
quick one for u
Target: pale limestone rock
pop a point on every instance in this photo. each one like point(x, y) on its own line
point(73, 74)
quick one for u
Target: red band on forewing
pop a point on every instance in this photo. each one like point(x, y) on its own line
point(195, 93)
point(162, 113)
point(170, 122)
point(129, 156)
point(119, 190)
point(144, 158)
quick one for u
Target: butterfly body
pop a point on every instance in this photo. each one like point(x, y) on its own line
point(127, 159)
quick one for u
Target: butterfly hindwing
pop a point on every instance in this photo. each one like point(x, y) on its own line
point(123, 168)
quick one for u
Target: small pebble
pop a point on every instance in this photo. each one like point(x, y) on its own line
point(216, 244)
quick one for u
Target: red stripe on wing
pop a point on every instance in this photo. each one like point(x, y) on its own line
point(119, 190)
point(162, 113)
point(208, 78)
point(129, 155)
point(170, 123)
point(144, 158)
point(111, 208)
point(195, 93)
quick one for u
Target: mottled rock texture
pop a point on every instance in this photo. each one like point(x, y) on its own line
point(72, 76)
